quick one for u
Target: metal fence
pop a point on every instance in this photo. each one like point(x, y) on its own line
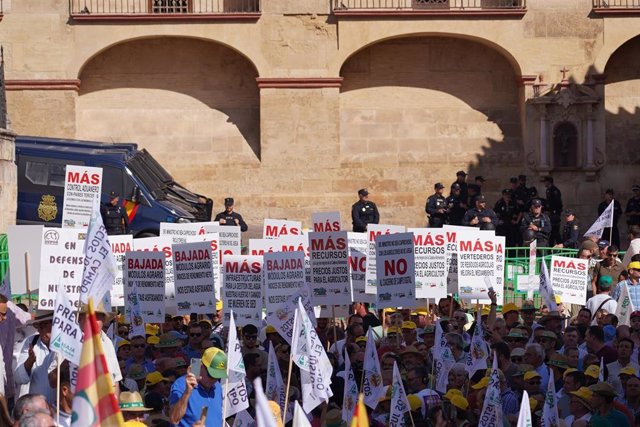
point(616, 4)
point(345, 5)
point(161, 7)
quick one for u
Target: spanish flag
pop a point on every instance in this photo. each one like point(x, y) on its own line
point(94, 403)
point(360, 417)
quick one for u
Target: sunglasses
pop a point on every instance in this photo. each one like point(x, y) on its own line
point(139, 346)
point(612, 255)
point(536, 382)
point(517, 359)
point(250, 337)
point(195, 335)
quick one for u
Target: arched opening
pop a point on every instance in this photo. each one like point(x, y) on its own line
point(441, 101)
point(565, 145)
point(194, 104)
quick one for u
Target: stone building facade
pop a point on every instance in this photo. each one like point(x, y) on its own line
point(291, 106)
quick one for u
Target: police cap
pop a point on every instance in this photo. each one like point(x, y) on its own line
point(480, 198)
point(568, 212)
point(461, 173)
point(513, 180)
point(547, 179)
point(363, 192)
point(480, 178)
point(228, 201)
point(114, 194)
point(438, 186)
point(455, 186)
point(507, 192)
point(536, 202)
point(522, 177)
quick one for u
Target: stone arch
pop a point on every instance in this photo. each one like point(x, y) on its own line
point(174, 95)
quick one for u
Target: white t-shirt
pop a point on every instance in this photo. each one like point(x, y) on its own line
point(594, 302)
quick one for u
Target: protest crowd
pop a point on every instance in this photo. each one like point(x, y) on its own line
point(383, 326)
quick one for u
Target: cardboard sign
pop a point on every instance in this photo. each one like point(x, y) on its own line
point(24, 239)
point(569, 277)
point(329, 258)
point(242, 279)
point(284, 275)
point(480, 266)
point(282, 318)
point(120, 244)
point(395, 270)
point(430, 245)
point(452, 254)
point(61, 263)
point(193, 277)
point(326, 221)
point(82, 189)
point(145, 270)
point(374, 230)
point(230, 237)
point(274, 228)
point(161, 244)
point(358, 245)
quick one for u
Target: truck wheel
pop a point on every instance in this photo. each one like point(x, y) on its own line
point(147, 234)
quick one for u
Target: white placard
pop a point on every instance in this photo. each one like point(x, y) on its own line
point(229, 236)
point(374, 230)
point(162, 244)
point(24, 239)
point(274, 228)
point(430, 246)
point(326, 221)
point(395, 271)
point(193, 277)
point(480, 266)
point(242, 289)
point(569, 279)
point(82, 189)
point(66, 335)
point(358, 245)
point(282, 318)
point(145, 270)
point(284, 275)
point(61, 262)
point(451, 233)
point(120, 244)
point(329, 259)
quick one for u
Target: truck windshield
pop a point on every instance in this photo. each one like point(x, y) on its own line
point(152, 174)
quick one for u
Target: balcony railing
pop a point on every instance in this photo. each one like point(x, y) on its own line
point(616, 6)
point(409, 7)
point(162, 9)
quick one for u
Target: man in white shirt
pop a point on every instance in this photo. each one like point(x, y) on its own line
point(602, 300)
point(634, 245)
point(625, 349)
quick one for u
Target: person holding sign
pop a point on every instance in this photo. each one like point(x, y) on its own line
point(114, 216)
point(230, 218)
point(364, 212)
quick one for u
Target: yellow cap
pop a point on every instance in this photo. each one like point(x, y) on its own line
point(452, 392)
point(415, 402)
point(629, 370)
point(507, 308)
point(568, 371)
point(635, 265)
point(154, 378)
point(123, 343)
point(481, 384)
point(219, 305)
point(153, 340)
point(270, 329)
point(460, 402)
point(361, 339)
point(408, 325)
point(422, 311)
point(558, 299)
point(583, 393)
point(531, 374)
point(150, 329)
point(389, 310)
point(393, 330)
point(533, 403)
point(485, 311)
point(592, 371)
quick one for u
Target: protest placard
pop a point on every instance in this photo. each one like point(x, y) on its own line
point(358, 245)
point(569, 277)
point(283, 244)
point(66, 335)
point(229, 241)
point(161, 244)
point(395, 271)
point(61, 263)
point(374, 230)
point(145, 270)
point(82, 189)
point(120, 244)
point(24, 239)
point(430, 246)
point(283, 276)
point(282, 318)
point(242, 289)
point(329, 258)
point(326, 221)
point(193, 277)
point(451, 233)
point(480, 266)
point(274, 228)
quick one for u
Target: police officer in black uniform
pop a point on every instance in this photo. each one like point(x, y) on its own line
point(507, 212)
point(114, 216)
point(364, 212)
point(479, 215)
point(570, 231)
point(632, 211)
point(436, 207)
point(461, 180)
point(554, 209)
point(455, 205)
point(230, 218)
point(537, 222)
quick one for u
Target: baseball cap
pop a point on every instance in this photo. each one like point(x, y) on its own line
point(584, 394)
point(452, 392)
point(393, 330)
point(461, 173)
point(603, 389)
point(592, 371)
point(568, 212)
point(460, 402)
point(628, 370)
point(408, 325)
point(480, 198)
point(518, 351)
point(122, 343)
point(429, 329)
point(455, 186)
point(531, 374)
point(113, 194)
point(528, 305)
point(154, 378)
point(509, 307)
point(480, 178)
point(507, 191)
point(363, 192)
point(481, 384)
point(438, 186)
point(536, 202)
point(602, 243)
point(215, 361)
point(605, 282)
point(228, 201)
point(513, 180)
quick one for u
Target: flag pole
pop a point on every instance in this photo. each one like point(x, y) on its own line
point(27, 279)
point(335, 326)
point(286, 394)
point(413, 424)
point(225, 397)
point(58, 389)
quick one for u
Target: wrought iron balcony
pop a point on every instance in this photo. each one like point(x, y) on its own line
point(614, 7)
point(428, 7)
point(163, 9)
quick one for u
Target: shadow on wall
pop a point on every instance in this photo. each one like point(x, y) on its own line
point(170, 79)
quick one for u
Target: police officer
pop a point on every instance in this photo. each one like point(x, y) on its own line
point(570, 231)
point(114, 216)
point(475, 217)
point(455, 205)
point(364, 212)
point(229, 217)
point(632, 211)
point(507, 212)
point(461, 180)
point(554, 208)
point(436, 207)
point(609, 196)
point(538, 222)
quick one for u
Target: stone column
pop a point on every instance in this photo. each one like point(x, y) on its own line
point(544, 143)
point(8, 182)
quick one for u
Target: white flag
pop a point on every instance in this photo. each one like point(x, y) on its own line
point(372, 386)
point(546, 288)
point(309, 355)
point(399, 401)
point(264, 415)
point(66, 335)
point(243, 419)
point(491, 415)
point(625, 308)
point(550, 409)
point(524, 418)
point(605, 220)
point(299, 417)
point(236, 398)
point(276, 388)
point(479, 349)
point(533, 251)
point(442, 358)
point(350, 396)
point(99, 263)
point(135, 315)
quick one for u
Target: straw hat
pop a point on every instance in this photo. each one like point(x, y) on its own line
point(131, 401)
point(41, 316)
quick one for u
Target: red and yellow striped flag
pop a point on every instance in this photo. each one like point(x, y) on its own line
point(360, 417)
point(94, 403)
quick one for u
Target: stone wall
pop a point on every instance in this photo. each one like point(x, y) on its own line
point(8, 180)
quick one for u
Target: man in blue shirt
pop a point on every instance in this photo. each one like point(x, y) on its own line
point(632, 284)
point(191, 393)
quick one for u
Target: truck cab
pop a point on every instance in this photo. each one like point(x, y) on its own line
point(147, 191)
